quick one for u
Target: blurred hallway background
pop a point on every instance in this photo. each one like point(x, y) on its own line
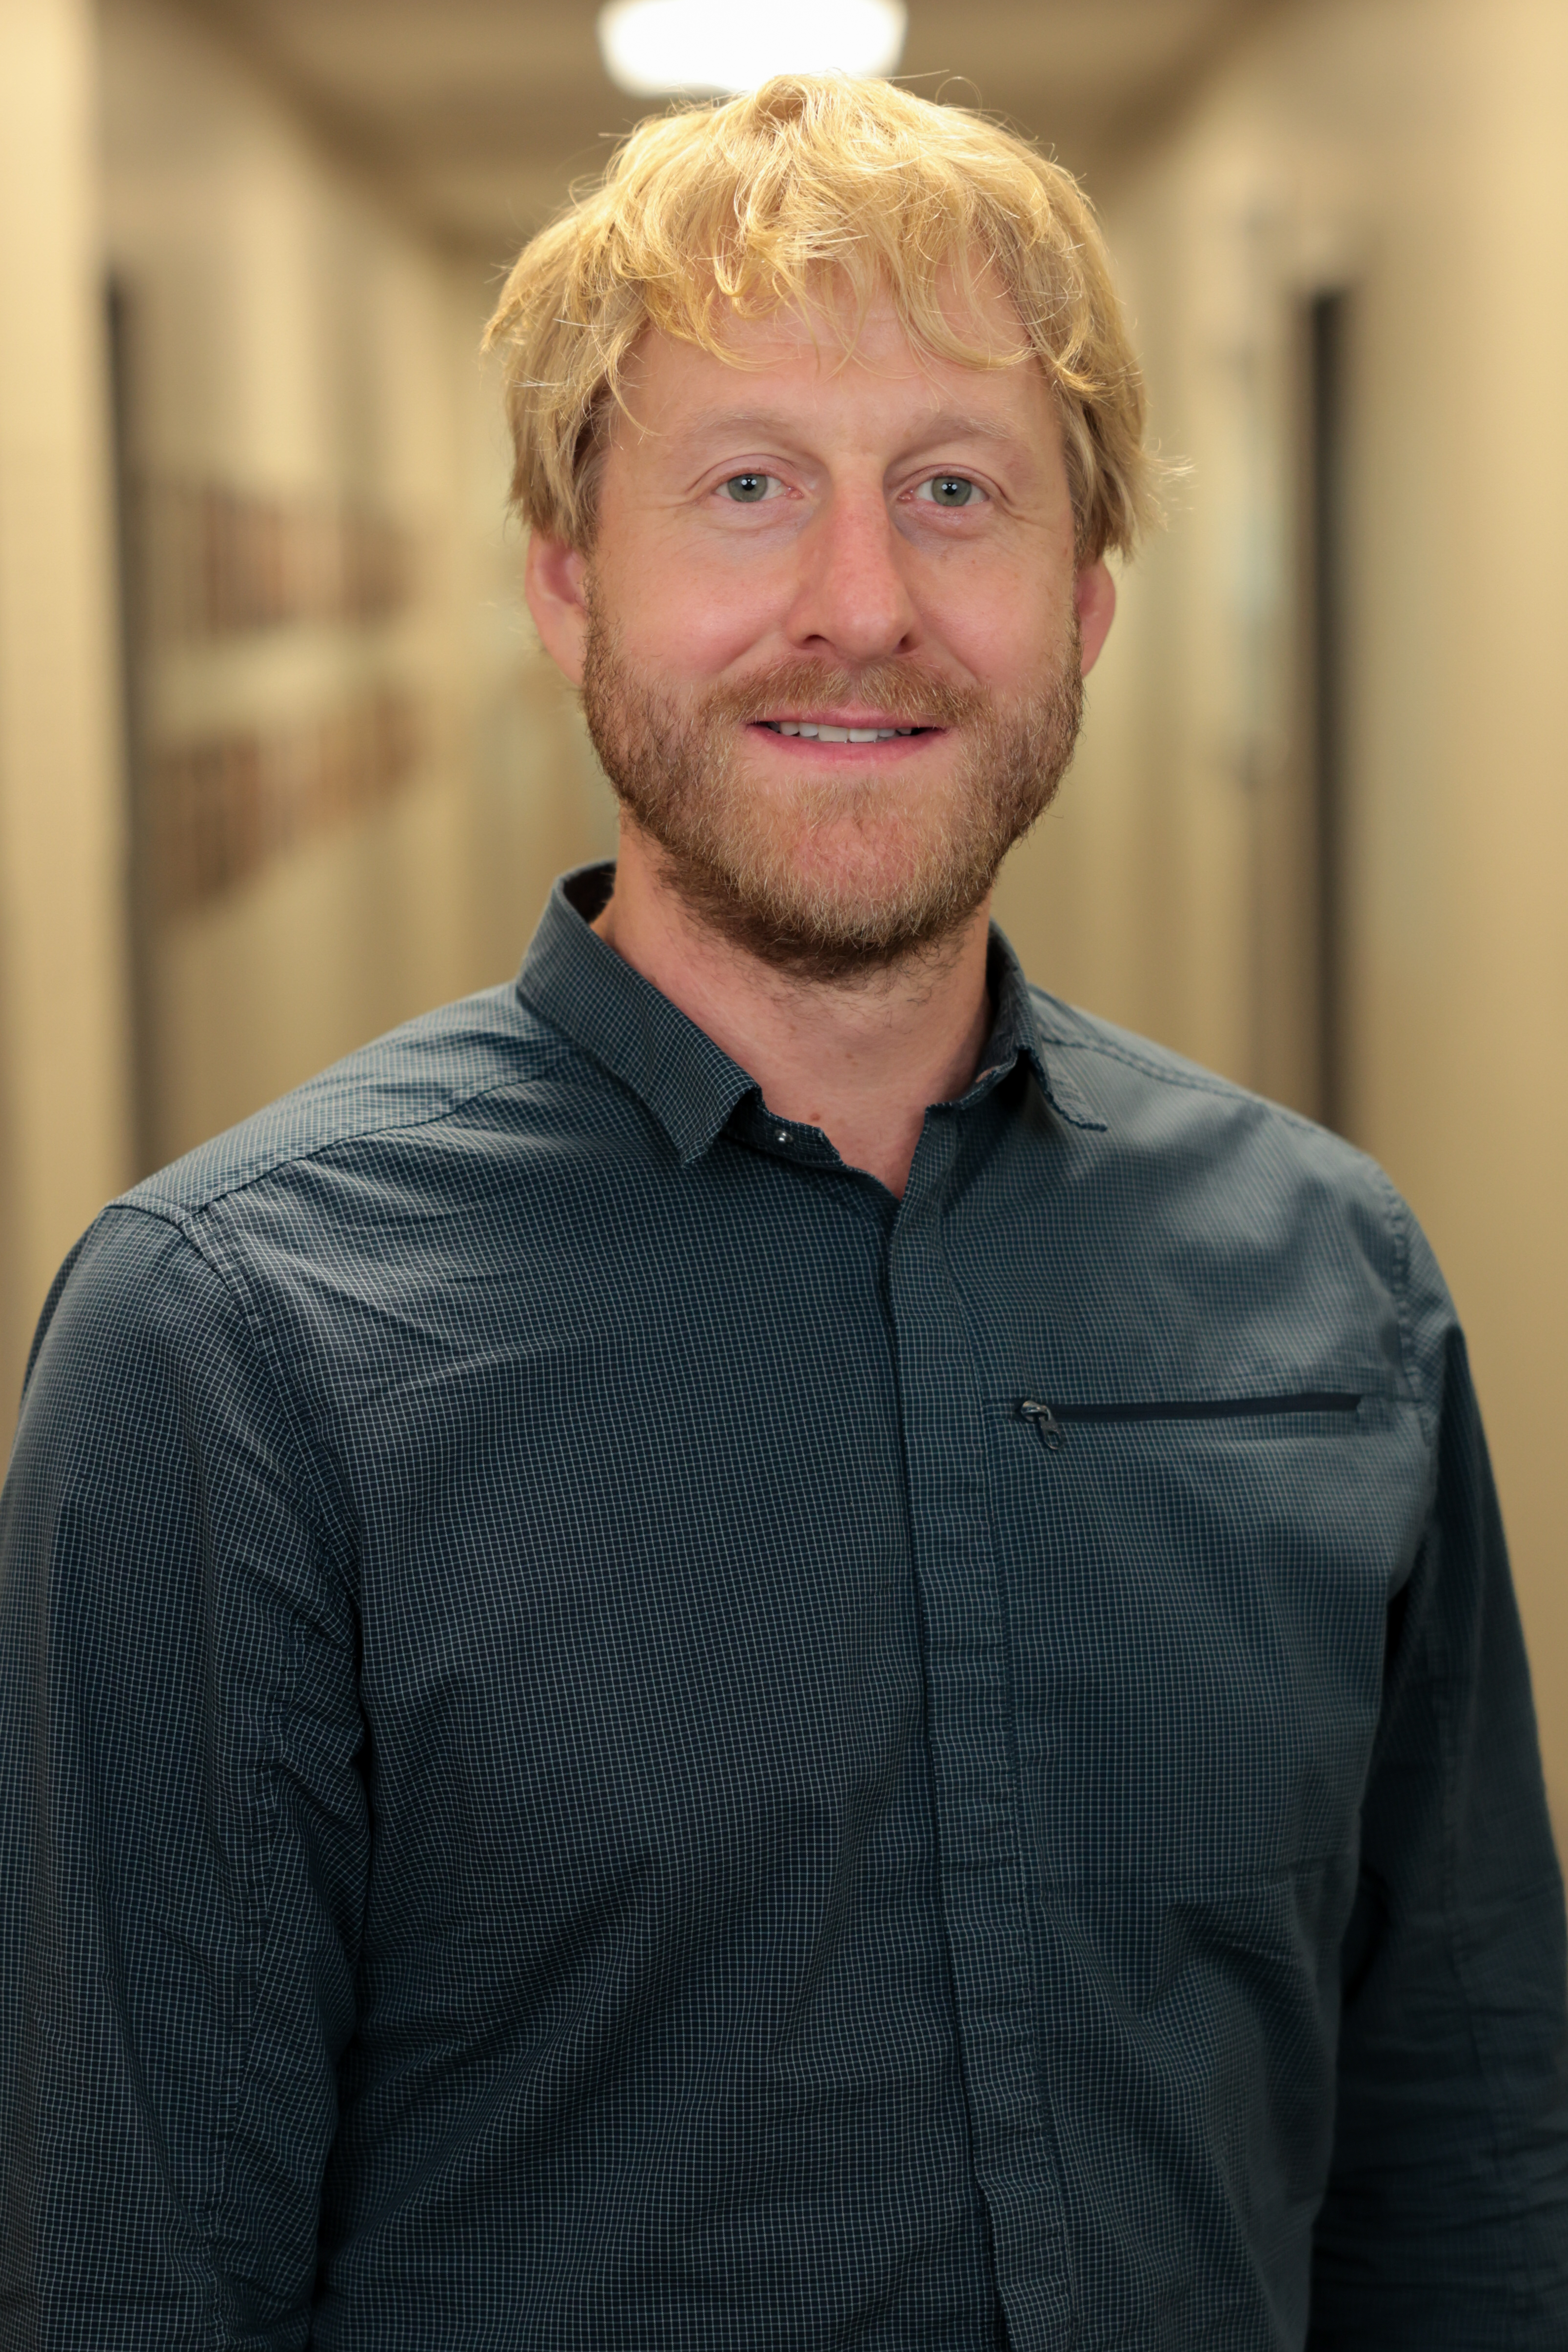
point(279, 762)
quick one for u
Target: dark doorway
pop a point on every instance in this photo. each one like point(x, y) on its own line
point(1326, 339)
point(119, 316)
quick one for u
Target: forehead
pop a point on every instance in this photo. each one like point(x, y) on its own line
point(823, 359)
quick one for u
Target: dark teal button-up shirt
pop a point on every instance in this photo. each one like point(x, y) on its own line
point(610, 1739)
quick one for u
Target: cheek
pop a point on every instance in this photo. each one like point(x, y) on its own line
point(676, 614)
point(1005, 623)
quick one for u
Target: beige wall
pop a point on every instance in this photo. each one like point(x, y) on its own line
point(293, 345)
point(1415, 152)
point(293, 339)
point(64, 1107)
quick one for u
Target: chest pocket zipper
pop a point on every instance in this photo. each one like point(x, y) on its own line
point(1052, 1421)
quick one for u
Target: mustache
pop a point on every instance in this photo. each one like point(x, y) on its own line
point(904, 691)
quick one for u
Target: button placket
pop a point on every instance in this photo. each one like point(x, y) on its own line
point(984, 1882)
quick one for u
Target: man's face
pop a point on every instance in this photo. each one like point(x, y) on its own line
point(805, 546)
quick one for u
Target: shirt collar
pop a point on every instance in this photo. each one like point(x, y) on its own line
point(1016, 1032)
point(582, 988)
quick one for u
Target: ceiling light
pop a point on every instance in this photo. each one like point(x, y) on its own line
point(652, 47)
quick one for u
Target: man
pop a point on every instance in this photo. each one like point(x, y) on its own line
point(767, 1643)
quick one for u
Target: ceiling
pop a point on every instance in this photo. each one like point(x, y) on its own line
point(479, 113)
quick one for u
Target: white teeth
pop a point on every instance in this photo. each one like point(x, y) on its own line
point(838, 734)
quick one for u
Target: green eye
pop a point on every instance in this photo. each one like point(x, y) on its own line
point(747, 489)
point(951, 490)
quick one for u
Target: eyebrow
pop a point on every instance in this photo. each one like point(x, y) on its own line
point(943, 423)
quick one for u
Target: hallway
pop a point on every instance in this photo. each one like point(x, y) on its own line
point(280, 763)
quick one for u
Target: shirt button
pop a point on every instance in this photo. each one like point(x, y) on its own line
point(780, 1134)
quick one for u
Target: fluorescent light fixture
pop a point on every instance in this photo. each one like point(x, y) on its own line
point(653, 47)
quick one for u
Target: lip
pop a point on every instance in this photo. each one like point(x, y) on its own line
point(795, 750)
point(840, 717)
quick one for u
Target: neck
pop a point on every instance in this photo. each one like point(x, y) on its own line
point(860, 1058)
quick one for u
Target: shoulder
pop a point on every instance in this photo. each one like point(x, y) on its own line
point(1148, 1101)
point(232, 1264)
point(434, 1073)
point(340, 1172)
point(1247, 1195)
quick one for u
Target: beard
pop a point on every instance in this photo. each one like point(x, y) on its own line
point(828, 878)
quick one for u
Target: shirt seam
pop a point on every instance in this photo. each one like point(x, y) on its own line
point(1195, 1081)
point(1025, 1953)
point(244, 2100)
point(1396, 1217)
point(1461, 1959)
point(257, 1916)
point(206, 1247)
point(182, 1214)
point(1503, 2166)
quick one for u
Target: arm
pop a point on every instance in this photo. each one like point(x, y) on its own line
point(1446, 2222)
point(183, 1824)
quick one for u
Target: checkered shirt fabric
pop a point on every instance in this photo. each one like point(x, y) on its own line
point(611, 1740)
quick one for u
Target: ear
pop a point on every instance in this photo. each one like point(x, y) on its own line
point(1094, 593)
point(553, 580)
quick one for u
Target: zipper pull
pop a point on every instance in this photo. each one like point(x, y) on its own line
point(1053, 1436)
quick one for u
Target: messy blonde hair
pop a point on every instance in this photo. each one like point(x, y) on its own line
point(815, 188)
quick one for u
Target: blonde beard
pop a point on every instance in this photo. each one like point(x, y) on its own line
point(903, 877)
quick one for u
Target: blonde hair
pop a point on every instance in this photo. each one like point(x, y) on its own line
point(806, 186)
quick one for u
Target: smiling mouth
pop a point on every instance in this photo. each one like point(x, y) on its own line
point(818, 734)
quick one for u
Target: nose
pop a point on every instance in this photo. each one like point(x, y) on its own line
point(852, 601)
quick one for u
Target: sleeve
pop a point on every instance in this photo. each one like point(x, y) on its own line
point(1446, 2222)
point(183, 1830)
